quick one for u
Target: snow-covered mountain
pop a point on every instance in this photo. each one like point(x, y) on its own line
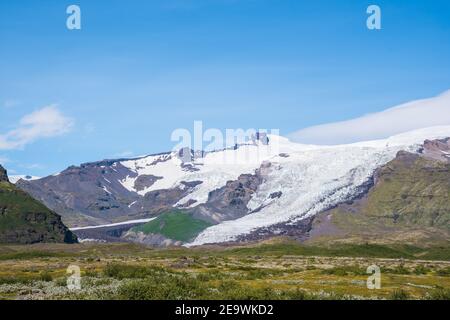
point(313, 179)
point(236, 191)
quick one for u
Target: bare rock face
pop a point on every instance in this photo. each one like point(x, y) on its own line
point(145, 181)
point(230, 201)
point(437, 149)
point(157, 201)
point(3, 174)
point(89, 194)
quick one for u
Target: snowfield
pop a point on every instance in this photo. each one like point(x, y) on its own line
point(214, 169)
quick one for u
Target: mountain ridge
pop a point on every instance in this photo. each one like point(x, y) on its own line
point(299, 181)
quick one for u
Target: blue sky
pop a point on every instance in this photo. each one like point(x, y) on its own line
point(137, 70)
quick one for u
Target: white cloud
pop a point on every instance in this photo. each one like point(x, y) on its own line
point(43, 123)
point(409, 116)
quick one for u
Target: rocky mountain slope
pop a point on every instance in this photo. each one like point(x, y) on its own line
point(25, 220)
point(256, 189)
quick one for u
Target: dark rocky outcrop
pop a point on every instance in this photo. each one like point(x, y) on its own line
point(3, 174)
point(90, 194)
point(437, 149)
point(276, 195)
point(230, 201)
point(145, 181)
point(298, 230)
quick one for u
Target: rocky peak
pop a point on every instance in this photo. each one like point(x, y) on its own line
point(3, 174)
point(438, 149)
point(185, 155)
point(261, 137)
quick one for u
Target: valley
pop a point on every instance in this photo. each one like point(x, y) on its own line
point(308, 223)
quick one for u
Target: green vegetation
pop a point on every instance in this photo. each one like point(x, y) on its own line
point(412, 194)
point(347, 250)
point(30, 255)
point(45, 276)
point(25, 220)
point(175, 225)
point(268, 271)
point(410, 203)
point(176, 288)
point(399, 294)
point(345, 271)
point(120, 272)
point(444, 272)
point(439, 294)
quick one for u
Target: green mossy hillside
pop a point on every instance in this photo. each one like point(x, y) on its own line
point(409, 203)
point(175, 225)
point(25, 220)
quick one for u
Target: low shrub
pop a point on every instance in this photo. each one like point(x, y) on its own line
point(123, 271)
point(443, 272)
point(399, 294)
point(45, 276)
point(438, 294)
point(345, 271)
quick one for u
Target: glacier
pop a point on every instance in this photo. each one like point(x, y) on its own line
point(314, 178)
point(309, 178)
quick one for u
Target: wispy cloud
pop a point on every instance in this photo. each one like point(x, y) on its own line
point(44, 123)
point(410, 116)
point(10, 103)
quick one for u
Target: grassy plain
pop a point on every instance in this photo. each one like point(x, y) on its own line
point(274, 270)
